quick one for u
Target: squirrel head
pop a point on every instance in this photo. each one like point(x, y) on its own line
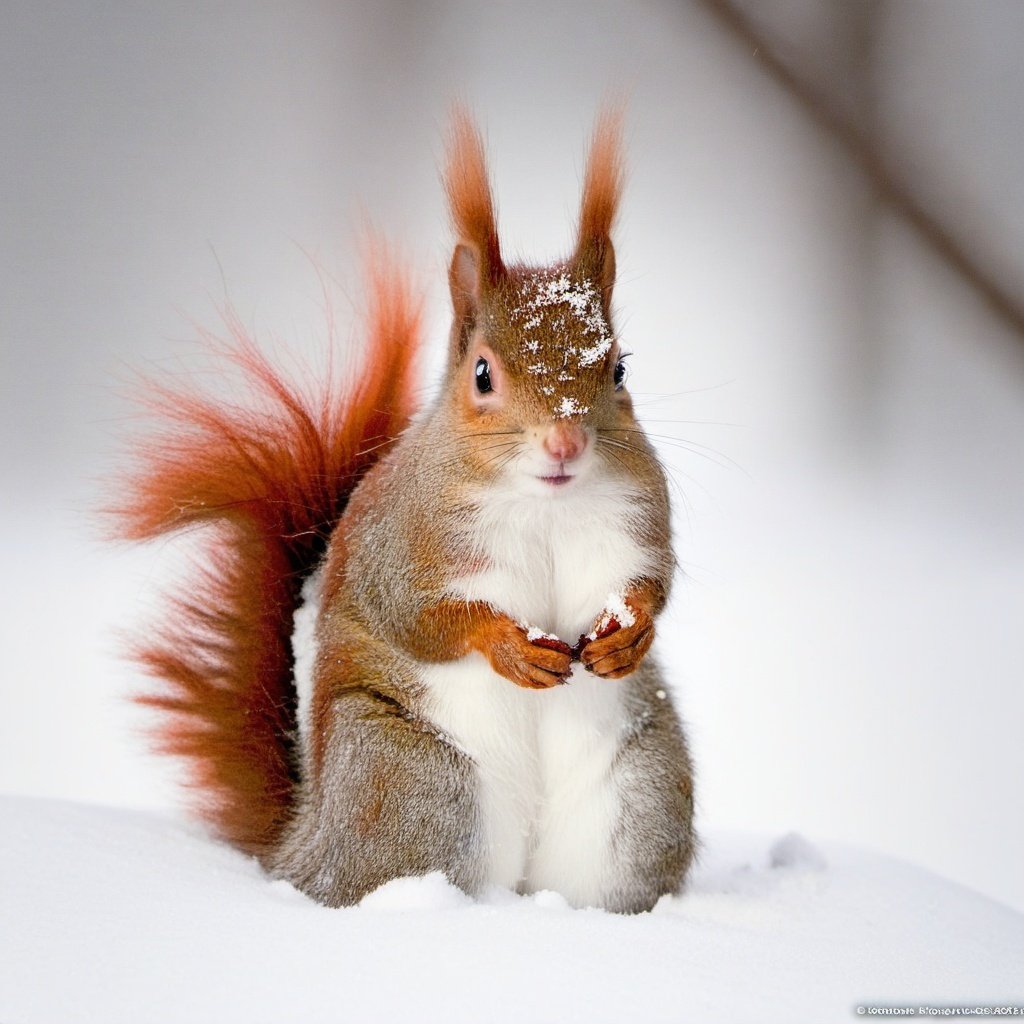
point(533, 352)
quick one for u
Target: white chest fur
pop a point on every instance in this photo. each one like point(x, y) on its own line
point(544, 758)
point(552, 563)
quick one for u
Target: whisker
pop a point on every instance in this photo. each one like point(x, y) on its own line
point(701, 423)
point(455, 460)
point(500, 455)
point(694, 447)
point(373, 448)
point(471, 434)
point(504, 460)
point(670, 471)
point(501, 444)
point(658, 396)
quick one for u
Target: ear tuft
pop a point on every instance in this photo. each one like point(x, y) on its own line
point(602, 183)
point(469, 193)
point(602, 190)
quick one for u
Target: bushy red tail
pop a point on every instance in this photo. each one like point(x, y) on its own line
point(267, 482)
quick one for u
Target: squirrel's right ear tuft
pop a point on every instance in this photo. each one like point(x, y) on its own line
point(469, 192)
point(476, 263)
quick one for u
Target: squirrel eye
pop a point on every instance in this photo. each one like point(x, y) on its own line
point(620, 374)
point(483, 376)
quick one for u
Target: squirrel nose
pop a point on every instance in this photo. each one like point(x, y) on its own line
point(565, 441)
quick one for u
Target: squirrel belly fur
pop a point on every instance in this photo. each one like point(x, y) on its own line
point(481, 585)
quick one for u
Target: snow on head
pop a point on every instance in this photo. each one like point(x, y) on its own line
point(570, 407)
point(578, 308)
point(572, 309)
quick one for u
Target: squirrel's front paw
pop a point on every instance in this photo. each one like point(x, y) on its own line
point(531, 659)
point(617, 648)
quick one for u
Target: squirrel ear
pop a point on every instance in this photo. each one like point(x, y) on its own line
point(464, 280)
point(602, 189)
point(476, 264)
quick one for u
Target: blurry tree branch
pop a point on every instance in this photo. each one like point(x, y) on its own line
point(861, 150)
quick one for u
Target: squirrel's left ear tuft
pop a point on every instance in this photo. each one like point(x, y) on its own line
point(602, 190)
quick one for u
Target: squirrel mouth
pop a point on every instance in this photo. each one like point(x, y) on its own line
point(559, 478)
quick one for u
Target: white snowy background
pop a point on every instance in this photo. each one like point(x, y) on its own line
point(842, 411)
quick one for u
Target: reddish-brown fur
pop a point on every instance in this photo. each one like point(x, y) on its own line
point(268, 482)
point(469, 192)
point(603, 180)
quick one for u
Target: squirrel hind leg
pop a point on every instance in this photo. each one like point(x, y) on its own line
point(390, 799)
point(655, 840)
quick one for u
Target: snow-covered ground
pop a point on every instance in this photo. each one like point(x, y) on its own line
point(111, 916)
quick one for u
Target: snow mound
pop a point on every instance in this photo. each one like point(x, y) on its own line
point(431, 892)
point(114, 916)
point(793, 851)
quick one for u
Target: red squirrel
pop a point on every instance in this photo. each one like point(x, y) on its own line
point(482, 579)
